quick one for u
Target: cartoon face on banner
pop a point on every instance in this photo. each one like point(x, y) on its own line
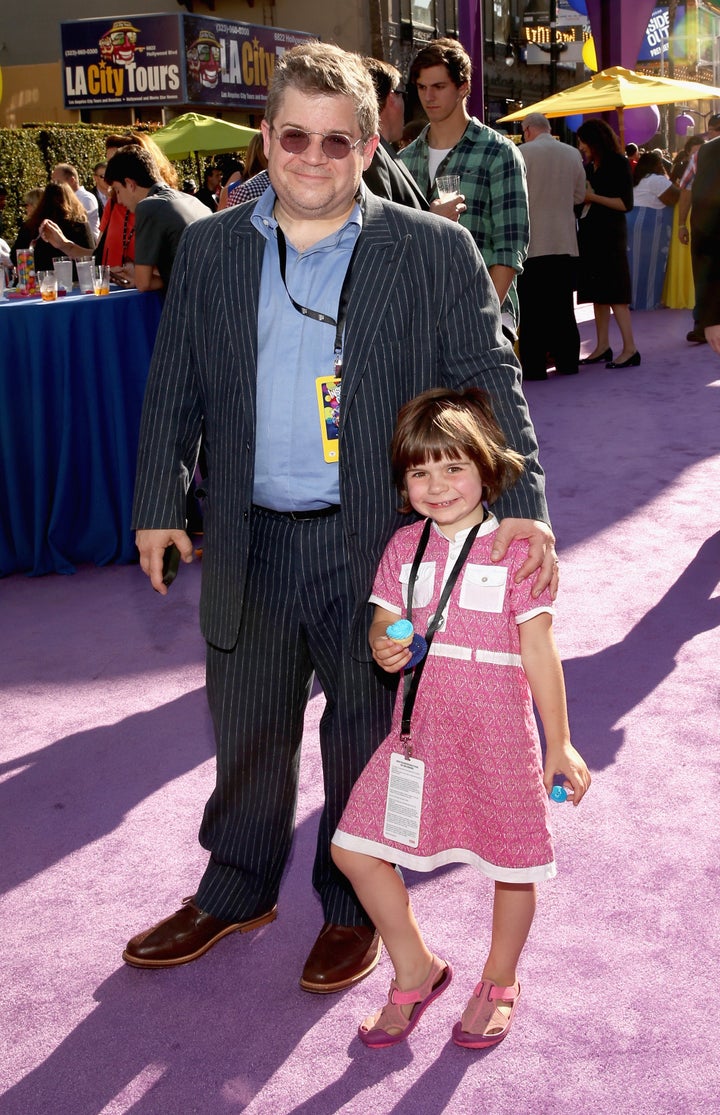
point(203, 59)
point(118, 45)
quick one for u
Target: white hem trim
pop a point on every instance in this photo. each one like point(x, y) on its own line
point(537, 874)
point(535, 612)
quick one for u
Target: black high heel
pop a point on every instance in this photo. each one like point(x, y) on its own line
point(631, 362)
point(606, 355)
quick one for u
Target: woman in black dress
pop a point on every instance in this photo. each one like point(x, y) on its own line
point(602, 240)
point(58, 204)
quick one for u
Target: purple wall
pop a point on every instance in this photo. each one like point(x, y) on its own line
point(618, 29)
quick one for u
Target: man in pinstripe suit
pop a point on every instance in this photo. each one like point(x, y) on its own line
point(322, 283)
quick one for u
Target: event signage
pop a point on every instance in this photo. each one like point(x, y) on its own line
point(657, 36)
point(122, 61)
point(170, 59)
point(230, 64)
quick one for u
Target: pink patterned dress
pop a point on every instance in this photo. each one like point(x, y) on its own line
point(473, 726)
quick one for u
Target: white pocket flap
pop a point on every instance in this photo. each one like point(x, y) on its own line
point(483, 588)
point(424, 585)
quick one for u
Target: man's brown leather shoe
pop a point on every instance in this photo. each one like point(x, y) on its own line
point(341, 956)
point(185, 936)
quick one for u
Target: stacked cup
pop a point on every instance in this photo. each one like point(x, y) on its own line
point(86, 274)
point(63, 269)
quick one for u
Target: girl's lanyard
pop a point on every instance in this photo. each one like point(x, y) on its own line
point(411, 680)
point(342, 310)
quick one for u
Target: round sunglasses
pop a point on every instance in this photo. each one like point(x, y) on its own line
point(334, 145)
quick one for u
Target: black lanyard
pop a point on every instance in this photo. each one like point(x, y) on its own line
point(412, 679)
point(342, 310)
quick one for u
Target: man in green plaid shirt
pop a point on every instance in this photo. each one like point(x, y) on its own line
point(492, 173)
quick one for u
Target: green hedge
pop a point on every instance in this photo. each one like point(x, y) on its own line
point(28, 155)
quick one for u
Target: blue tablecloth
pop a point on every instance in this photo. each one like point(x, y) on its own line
point(72, 378)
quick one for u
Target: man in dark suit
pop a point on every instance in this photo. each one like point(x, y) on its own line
point(705, 241)
point(99, 189)
point(320, 286)
point(386, 176)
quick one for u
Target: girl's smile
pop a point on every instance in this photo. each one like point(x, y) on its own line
point(448, 491)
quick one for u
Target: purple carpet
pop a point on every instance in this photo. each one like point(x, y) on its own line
point(106, 762)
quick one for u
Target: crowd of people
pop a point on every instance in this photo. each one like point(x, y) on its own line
point(357, 373)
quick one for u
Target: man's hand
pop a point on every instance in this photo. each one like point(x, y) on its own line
point(712, 336)
point(124, 276)
point(541, 552)
point(151, 546)
point(450, 209)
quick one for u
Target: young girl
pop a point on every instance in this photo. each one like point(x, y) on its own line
point(459, 778)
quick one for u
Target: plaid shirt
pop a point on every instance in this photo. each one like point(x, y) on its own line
point(247, 191)
point(492, 178)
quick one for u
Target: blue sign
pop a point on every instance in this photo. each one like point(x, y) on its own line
point(657, 36)
point(122, 61)
point(170, 59)
point(231, 64)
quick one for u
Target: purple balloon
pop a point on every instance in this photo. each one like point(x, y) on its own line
point(641, 124)
point(683, 124)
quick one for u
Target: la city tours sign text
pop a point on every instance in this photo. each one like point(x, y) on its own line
point(168, 59)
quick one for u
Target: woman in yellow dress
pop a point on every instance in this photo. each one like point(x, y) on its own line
point(679, 289)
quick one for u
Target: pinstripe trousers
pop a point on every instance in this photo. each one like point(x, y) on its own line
point(296, 621)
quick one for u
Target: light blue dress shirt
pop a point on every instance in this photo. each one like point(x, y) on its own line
point(291, 473)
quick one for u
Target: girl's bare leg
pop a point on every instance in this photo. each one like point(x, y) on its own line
point(386, 901)
point(513, 913)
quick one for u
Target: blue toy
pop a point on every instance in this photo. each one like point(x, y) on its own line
point(401, 630)
point(559, 793)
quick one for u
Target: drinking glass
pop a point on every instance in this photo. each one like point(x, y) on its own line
point(101, 280)
point(64, 273)
point(86, 274)
point(48, 287)
point(447, 186)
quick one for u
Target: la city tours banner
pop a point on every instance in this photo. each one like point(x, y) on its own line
point(229, 63)
point(123, 61)
point(169, 59)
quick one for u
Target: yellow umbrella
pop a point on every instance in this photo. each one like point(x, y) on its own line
point(617, 88)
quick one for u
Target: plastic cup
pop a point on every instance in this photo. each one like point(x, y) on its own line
point(64, 273)
point(101, 280)
point(447, 186)
point(86, 274)
point(48, 287)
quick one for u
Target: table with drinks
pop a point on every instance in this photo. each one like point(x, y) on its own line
point(73, 366)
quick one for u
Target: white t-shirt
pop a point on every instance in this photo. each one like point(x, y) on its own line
point(435, 157)
point(90, 205)
point(647, 192)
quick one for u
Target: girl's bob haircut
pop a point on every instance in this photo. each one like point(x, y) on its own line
point(444, 423)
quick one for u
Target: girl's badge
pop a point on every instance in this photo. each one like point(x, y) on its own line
point(328, 395)
point(403, 805)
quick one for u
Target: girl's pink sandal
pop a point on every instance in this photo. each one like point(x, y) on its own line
point(392, 1018)
point(482, 1015)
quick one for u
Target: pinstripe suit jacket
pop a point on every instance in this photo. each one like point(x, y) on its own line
point(422, 313)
